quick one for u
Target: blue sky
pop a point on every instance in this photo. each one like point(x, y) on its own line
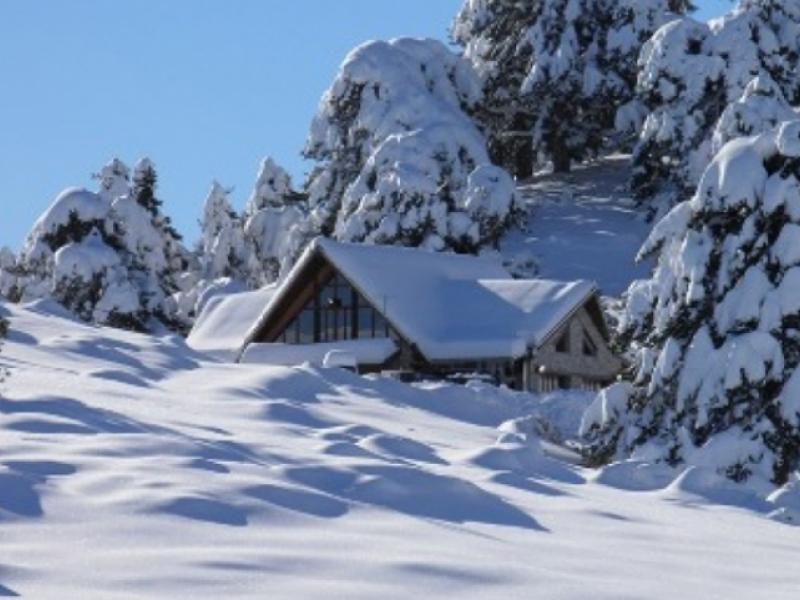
point(206, 88)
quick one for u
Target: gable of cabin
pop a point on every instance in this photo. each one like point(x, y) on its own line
point(575, 356)
point(322, 306)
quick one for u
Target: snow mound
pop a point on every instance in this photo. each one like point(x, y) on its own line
point(168, 472)
point(225, 319)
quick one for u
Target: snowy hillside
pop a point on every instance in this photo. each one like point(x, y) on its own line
point(133, 467)
point(583, 225)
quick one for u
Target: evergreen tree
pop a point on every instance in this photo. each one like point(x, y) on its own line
point(716, 382)
point(273, 216)
point(114, 180)
point(273, 188)
point(761, 108)
point(222, 237)
point(690, 72)
point(395, 150)
point(176, 258)
point(111, 259)
point(8, 275)
point(556, 73)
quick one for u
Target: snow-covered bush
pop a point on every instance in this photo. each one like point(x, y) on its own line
point(556, 73)
point(690, 72)
point(716, 329)
point(110, 257)
point(399, 161)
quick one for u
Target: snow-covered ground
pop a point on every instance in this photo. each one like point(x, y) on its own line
point(132, 467)
point(584, 225)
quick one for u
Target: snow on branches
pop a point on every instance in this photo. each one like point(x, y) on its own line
point(558, 75)
point(399, 161)
point(691, 72)
point(716, 328)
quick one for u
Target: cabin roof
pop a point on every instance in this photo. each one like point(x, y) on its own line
point(222, 326)
point(451, 307)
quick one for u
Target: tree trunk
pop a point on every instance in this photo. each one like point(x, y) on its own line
point(523, 157)
point(561, 158)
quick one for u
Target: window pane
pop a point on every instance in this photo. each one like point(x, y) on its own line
point(327, 294)
point(364, 329)
point(344, 324)
point(306, 322)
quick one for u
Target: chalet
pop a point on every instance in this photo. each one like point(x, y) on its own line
point(433, 313)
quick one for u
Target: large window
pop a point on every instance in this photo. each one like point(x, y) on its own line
point(337, 312)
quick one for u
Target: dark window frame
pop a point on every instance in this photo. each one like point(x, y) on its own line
point(338, 309)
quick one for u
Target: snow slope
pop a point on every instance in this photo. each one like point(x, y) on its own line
point(583, 225)
point(130, 467)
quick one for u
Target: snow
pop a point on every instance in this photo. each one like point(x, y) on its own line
point(399, 158)
point(581, 223)
point(459, 306)
point(365, 352)
point(133, 467)
point(83, 204)
point(789, 139)
point(223, 323)
point(84, 259)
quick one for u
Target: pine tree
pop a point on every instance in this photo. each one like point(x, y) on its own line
point(490, 31)
point(143, 191)
point(9, 288)
point(761, 108)
point(716, 380)
point(395, 150)
point(111, 259)
point(690, 72)
point(222, 237)
point(4, 326)
point(273, 188)
point(555, 73)
point(114, 180)
point(273, 217)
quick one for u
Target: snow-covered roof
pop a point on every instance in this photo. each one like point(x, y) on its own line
point(366, 352)
point(223, 323)
point(452, 307)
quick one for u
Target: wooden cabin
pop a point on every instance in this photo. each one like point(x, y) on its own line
point(404, 309)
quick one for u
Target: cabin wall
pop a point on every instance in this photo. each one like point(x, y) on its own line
point(559, 365)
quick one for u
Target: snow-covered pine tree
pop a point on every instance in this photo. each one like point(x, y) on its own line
point(90, 279)
point(273, 188)
point(399, 161)
point(4, 326)
point(157, 259)
point(221, 247)
point(761, 108)
point(690, 72)
point(273, 216)
point(114, 180)
point(8, 275)
point(716, 380)
point(556, 72)
point(70, 256)
point(490, 31)
point(111, 259)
